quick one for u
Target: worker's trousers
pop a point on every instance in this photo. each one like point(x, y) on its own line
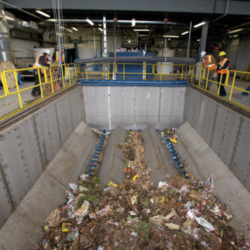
point(222, 89)
point(210, 77)
point(36, 89)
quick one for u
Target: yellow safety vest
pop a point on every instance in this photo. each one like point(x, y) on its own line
point(37, 65)
point(224, 71)
point(58, 58)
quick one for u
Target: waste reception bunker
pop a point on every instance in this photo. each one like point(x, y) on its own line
point(46, 148)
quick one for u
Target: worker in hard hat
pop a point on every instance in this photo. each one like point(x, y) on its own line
point(60, 57)
point(209, 63)
point(41, 61)
point(222, 70)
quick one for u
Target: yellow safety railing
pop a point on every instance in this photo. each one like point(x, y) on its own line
point(65, 77)
point(196, 75)
point(202, 81)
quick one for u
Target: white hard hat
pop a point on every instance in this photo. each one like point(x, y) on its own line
point(47, 51)
point(203, 53)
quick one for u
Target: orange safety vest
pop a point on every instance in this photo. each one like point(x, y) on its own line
point(57, 57)
point(224, 71)
point(207, 61)
point(37, 65)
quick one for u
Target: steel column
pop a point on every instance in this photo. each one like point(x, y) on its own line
point(105, 44)
point(189, 38)
point(203, 37)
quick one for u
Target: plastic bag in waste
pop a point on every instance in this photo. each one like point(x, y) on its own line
point(162, 185)
point(84, 177)
point(184, 190)
point(73, 186)
point(103, 211)
point(73, 235)
point(46, 244)
point(206, 225)
point(82, 211)
point(161, 220)
point(195, 195)
point(54, 218)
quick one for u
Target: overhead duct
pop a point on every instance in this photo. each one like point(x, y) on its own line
point(9, 21)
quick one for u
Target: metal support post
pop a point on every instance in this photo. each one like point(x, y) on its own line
point(189, 38)
point(114, 64)
point(105, 44)
point(203, 38)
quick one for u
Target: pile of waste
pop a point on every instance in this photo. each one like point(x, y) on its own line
point(182, 213)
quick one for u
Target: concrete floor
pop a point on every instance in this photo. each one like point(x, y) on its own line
point(11, 103)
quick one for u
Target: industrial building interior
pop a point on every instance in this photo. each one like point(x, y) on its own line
point(121, 79)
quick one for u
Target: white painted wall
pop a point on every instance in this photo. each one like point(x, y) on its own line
point(243, 56)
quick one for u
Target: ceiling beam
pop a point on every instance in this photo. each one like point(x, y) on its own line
point(183, 6)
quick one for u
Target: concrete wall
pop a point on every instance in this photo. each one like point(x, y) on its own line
point(134, 107)
point(23, 228)
point(27, 147)
point(223, 129)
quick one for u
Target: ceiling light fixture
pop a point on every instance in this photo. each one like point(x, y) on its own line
point(89, 21)
point(42, 13)
point(198, 40)
point(172, 36)
point(73, 28)
point(234, 31)
point(133, 22)
point(146, 30)
point(185, 32)
point(235, 35)
point(99, 24)
point(199, 24)
point(100, 29)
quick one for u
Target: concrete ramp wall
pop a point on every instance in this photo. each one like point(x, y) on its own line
point(24, 227)
point(113, 161)
point(157, 156)
point(225, 128)
point(28, 146)
point(203, 162)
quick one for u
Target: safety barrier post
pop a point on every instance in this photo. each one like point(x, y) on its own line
point(231, 92)
point(161, 73)
point(227, 78)
point(108, 70)
point(63, 76)
point(200, 77)
point(86, 72)
point(40, 82)
point(18, 91)
point(123, 71)
point(52, 85)
point(207, 79)
point(69, 76)
point(192, 73)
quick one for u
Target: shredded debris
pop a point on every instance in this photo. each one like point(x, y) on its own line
point(178, 214)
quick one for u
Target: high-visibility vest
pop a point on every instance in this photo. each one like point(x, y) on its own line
point(58, 58)
point(207, 61)
point(37, 65)
point(223, 71)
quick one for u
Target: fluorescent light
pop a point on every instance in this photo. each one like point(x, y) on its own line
point(234, 31)
point(133, 22)
point(184, 33)
point(169, 39)
point(173, 36)
point(198, 40)
point(73, 28)
point(199, 24)
point(99, 24)
point(100, 29)
point(129, 41)
point(143, 35)
point(141, 30)
point(89, 21)
point(235, 35)
point(42, 13)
